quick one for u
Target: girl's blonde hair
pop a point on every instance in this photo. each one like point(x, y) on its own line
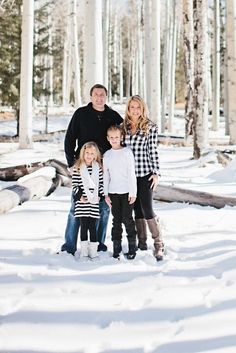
point(89, 144)
point(143, 121)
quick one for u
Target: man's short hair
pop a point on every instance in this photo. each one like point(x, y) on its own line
point(98, 85)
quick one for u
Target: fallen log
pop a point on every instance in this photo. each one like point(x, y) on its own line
point(171, 193)
point(16, 172)
point(30, 187)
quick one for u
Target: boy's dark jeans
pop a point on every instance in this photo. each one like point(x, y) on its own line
point(122, 213)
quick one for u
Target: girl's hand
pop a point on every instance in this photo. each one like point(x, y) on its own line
point(108, 201)
point(154, 179)
point(83, 199)
point(131, 199)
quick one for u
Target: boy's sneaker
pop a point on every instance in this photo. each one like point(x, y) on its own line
point(102, 247)
point(130, 256)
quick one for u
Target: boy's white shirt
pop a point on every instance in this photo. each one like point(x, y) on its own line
point(119, 172)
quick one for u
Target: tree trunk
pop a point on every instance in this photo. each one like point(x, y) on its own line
point(26, 89)
point(75, 51)
point(29, 188)
point(231, 58)
point(16, 172)
point(93, 48)
point(188, 65)
point(155, 87)
point(175, 194)
point(200, 101)
point(216, 68)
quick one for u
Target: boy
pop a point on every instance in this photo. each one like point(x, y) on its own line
point(120, 189)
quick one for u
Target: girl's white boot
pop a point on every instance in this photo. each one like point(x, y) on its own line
point(93, 250)
point(84, 249)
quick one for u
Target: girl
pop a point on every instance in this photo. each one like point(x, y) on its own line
point(87, 185)
point(141, 136)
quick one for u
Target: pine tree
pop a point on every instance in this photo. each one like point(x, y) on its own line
point(10, 29)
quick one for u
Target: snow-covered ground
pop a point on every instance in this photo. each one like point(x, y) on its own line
point(184, 304)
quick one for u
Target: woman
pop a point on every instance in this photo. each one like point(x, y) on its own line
point(141, 136)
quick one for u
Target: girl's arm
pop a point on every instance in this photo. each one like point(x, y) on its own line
point(77, 192)
point(100, 188)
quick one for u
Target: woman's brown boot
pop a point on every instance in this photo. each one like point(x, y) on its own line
point(141, 233)
point(154, 227)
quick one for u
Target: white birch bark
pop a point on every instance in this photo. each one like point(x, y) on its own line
point(216, 68)
point(231, 62)
point(115, 51)
point(121, 81)
point(147, 52)
point(200, 100)
point(225, 81)
point(50, 62)
point(75, 51)
point(66, 65)
point(93, 48)
point(165, 66)
point(173, 65)
point(155, 88)
point(188, 37)
point(140, 51)
point(106, 42)
point(26, 75)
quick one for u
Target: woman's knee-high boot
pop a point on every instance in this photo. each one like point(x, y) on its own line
point(155, 229)
point(141, 233)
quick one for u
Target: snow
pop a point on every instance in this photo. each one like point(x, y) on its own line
point(53, 302)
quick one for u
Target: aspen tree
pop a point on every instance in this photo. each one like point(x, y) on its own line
point(216, 67)
point(200, 101)
point(231, 66)
point(26, 76)
point(93, 48)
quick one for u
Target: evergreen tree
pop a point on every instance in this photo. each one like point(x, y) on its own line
point(10, 51)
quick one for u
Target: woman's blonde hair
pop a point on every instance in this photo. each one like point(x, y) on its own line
point(89, 144)
point(143, 121)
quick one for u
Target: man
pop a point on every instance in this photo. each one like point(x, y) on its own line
point(88, 123)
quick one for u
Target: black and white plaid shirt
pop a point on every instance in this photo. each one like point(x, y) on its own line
point(144, 147)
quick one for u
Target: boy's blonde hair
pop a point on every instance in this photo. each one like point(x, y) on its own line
point(115, 128)
point(89, 144)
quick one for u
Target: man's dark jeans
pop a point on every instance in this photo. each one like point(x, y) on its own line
point(73, 225)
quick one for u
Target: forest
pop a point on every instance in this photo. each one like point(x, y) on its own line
point(180, 56)
point(173, 53)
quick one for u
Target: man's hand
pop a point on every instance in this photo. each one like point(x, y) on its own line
point(108, 200)
point(131, 199)
point(154, 179)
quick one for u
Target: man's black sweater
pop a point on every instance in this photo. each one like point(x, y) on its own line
point(88, 124)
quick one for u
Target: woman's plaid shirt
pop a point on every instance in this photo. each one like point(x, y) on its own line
point(145, 152)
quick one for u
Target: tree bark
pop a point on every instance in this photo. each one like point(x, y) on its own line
point(174, 194)
point(26, 189)
point(16, 172)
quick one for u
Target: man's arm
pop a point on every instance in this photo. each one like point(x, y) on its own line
point(70, 141)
